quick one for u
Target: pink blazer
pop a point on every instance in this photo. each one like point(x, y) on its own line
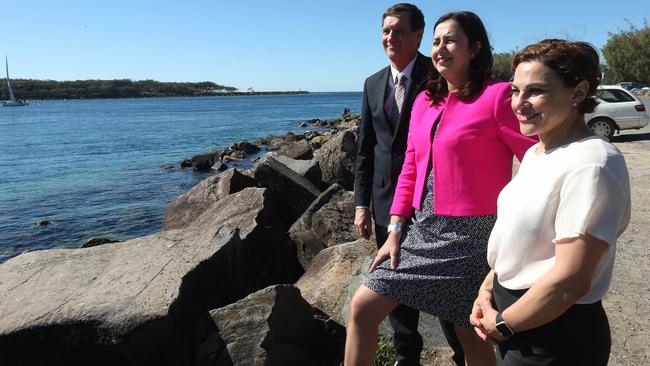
point(472, 153)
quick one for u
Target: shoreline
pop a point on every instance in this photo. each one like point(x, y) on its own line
point(153, 95)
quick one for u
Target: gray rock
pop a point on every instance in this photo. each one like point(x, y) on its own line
point(325, 284)
point(274, 142)
point(310, 135)
point(168, 167)
point(95, 241)
point(306, 168)
point(336, 158)
point(300, 150)
point(190, 205)
point(186, 163)
point(290, 137)
point(272, 327)
point(328, 221)
point(204, 162)
point(136, 302)
point(246, 147)
point(219, 166)
point(318, 141)
point(291, 192)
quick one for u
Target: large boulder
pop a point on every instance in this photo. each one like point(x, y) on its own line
point(273, 327)
point(326, 222)
point(190, 205)
point(306, 168)
point(300, 150)
point(336, 158)
point(291, 192)
point(325, 284)
point(135, 302)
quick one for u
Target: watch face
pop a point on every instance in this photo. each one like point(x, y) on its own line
point(503, 329)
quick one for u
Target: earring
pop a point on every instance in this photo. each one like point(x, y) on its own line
point(574, 104)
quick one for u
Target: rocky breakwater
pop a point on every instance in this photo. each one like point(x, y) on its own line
point(297, 146)
point(220, 284)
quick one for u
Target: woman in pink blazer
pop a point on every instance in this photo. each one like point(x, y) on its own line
point(462, 138)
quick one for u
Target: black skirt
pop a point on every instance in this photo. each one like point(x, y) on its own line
point(578, 337)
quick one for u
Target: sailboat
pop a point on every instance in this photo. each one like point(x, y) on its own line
point(12, 102)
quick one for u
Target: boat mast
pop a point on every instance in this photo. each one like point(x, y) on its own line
point(11, 92)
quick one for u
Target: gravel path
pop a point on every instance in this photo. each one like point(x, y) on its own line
point(628, 301)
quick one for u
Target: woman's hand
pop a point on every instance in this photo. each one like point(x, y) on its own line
point(488, 324)
point(475, 318)
point(389, 249)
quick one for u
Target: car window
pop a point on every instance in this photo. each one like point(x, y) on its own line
point(614, 95)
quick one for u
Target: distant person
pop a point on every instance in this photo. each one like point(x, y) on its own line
point(385, 113)
point(462, 138)
point(346, 111)
point(553, 246)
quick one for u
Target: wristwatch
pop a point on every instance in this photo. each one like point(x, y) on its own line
point(503, 327)
point(395, 227)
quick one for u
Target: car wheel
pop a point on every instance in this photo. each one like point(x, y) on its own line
point(602, 127)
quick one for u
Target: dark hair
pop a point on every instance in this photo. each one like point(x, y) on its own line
point(416, 18)
point(480, 67)
point(572, 61)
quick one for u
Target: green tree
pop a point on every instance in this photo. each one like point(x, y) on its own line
point(502, 65)
point(628, 54)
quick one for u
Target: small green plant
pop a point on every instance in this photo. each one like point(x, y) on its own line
point(385, 352)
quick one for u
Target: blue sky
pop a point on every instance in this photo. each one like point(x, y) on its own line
point(328, 45)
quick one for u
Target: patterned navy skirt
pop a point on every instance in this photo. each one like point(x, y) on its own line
point(442, 263)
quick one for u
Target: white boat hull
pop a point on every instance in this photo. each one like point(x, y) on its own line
point(17, 103)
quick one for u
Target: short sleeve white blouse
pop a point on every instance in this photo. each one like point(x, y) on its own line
point(579, 188)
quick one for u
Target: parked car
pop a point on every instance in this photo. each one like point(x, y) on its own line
point(618, 109)
point(630, 85)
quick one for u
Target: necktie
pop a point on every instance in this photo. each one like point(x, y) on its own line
point(400, 91)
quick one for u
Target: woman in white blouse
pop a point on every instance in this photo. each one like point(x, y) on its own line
point(553, 245)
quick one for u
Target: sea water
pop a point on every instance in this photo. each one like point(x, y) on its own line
point(110, 167)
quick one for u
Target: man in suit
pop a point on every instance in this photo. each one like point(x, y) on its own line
point(388, 96)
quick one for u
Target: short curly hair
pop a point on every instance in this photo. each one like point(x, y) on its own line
point(572, 61)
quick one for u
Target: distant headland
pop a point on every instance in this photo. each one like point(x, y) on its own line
point(30, 89)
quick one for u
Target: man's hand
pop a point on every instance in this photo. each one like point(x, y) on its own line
point(363, 223)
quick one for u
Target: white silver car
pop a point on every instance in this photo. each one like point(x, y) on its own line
point(617, 110)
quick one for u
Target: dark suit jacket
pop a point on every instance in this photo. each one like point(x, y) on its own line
point(380, 147)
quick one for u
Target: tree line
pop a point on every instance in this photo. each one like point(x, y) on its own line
point(124, 88)
point(626, 55)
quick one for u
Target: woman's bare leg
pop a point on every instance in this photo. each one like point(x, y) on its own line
point(477, 352)
point(367, 310)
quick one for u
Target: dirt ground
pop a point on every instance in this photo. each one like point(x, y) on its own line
point(628, 301)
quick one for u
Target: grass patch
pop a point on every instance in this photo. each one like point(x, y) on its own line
point(385, 352)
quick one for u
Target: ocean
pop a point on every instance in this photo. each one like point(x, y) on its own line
point(111, 167)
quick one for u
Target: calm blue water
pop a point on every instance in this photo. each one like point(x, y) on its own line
point(95, 167)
